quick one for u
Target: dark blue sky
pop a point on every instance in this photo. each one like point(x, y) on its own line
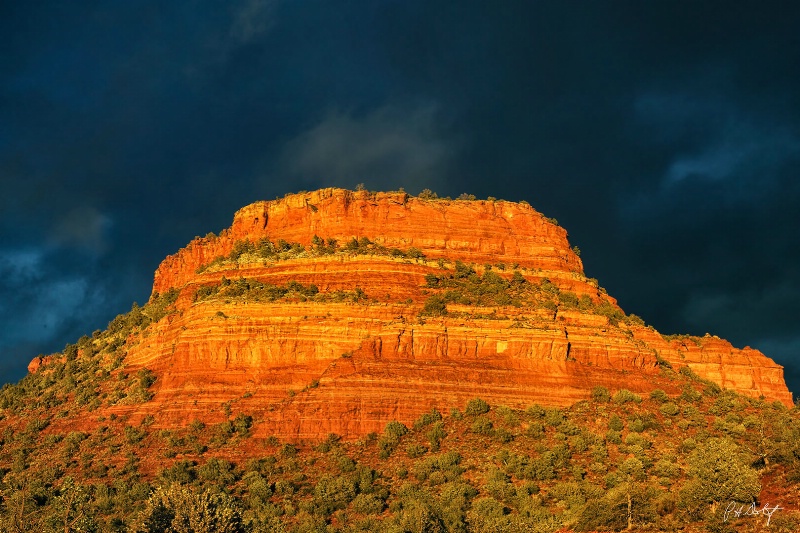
point(665, 136)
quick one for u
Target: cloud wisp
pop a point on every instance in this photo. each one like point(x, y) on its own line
point(83, 226)
point(251, 20)
point(388, 147)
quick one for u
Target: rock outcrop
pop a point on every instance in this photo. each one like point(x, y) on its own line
point(306, 366)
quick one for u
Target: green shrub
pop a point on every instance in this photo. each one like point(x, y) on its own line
point(329, 443)
point(503, 435)
point(626, 396)
point(345, 464)
point(498, 485)
point(487, 515)
point(332, 493)
point(723, 404)
point(636, 439)
point(415, 450)
point(217, 471)
point(689, 394)
point(623, 507)
point(659, 396)
point(181, 508)
point(435, 435)
point(386, 447)
point(434, 306)
point(509, 417)
point(439, 468)
point(427, 419)
point(666, 468)
point(553, 417)
point(72, 442)
point(288, 450)
point(568, 299)
point(670, 409)
point(482, 426)
point(414, 511)
point(637, 425)
point(182, 472)
point(476, 406)
point(535, 411)
point(712, 390)
point(391, 437)
point(454, 500)
point(578, 443)
point(134, 435)
point(415, 253)
point(369, 504)
point(719, 472)
point(395, 429)
point(600, 394)
point(535, 430)
point(634, 320)
point(221, 433)
point(259, 490)
point(242, 424)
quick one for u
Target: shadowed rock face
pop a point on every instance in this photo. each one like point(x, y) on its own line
point(307, 367)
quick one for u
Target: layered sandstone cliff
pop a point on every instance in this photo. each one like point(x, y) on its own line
point(365, 348)
point(470, 231)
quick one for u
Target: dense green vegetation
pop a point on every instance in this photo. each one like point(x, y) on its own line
point(256, 291)
point(266, 251)
point(656, 463)
point(464, 286)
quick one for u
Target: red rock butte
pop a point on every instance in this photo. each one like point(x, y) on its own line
point(307, 367)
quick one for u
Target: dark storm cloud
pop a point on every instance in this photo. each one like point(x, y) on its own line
point(84, 227)
point(665, 136)
point(719, 219)
point(251, 20)
point(716, 140)
point(43, 297)
point(388, 148)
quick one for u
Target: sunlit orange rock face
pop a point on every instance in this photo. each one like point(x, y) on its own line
point(305, 369)
point(471, 231)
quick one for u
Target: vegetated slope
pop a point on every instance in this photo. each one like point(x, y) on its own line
point(336, 312)
point(654, 463)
